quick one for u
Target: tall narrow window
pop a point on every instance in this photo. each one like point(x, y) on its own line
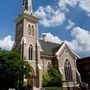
point(68, 70)
point(48, 66)
point(26, 4)
point(30, 52)
point(32, 30)
point(29, 29)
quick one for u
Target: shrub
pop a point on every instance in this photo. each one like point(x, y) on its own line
point(52, 78)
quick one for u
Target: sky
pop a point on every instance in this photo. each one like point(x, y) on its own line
point(62, 20)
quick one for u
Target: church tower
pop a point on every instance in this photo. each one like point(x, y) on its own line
point(27, 31)
point(27, 36)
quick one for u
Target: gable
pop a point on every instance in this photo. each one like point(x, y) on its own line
point(65, 53)
point(65, 49)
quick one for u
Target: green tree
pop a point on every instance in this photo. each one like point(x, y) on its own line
point(56, 77)
point(12, 70)
point(46, 79)
point(52, 78)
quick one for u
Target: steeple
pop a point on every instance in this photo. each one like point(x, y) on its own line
point(27, 6)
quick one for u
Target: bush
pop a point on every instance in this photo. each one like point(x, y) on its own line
point(52, 78)
point(46, 79)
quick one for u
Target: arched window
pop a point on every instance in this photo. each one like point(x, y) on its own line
point(29, 29)
point(30, 52)
point(32, 30)
point(68, 70)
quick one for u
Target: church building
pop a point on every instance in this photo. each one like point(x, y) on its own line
point(41, 54)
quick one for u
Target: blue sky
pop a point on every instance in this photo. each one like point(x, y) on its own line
point(62, 20)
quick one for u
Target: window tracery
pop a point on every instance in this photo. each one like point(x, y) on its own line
point(68, 70)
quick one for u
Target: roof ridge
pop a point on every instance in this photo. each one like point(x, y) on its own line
point(51, 42)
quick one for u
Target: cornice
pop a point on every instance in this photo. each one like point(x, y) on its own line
point(31, 17)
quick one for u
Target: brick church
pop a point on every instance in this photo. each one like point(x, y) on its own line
point(41, 54)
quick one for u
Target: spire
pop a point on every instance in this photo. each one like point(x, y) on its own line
point(27, 6)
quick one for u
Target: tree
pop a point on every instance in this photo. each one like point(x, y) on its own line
point(12, 70)
point(52, 78)
point(56, 77)
point(46, 79)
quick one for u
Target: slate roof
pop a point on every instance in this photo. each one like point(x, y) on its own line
point(49, 48)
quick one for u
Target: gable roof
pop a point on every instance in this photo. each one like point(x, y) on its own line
point(49, 48)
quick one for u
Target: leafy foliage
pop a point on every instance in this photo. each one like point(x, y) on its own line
point(52, 78)
point(46, 79)
point(12, 69)
point(56, 77)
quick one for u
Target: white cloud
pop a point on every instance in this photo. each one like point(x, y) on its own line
point(85, 5)
point(80, 41)
point(52, 38)
point(70, 24)
point(50, 17)
point(6, 43)
point(40, 12)
point(63, 3)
